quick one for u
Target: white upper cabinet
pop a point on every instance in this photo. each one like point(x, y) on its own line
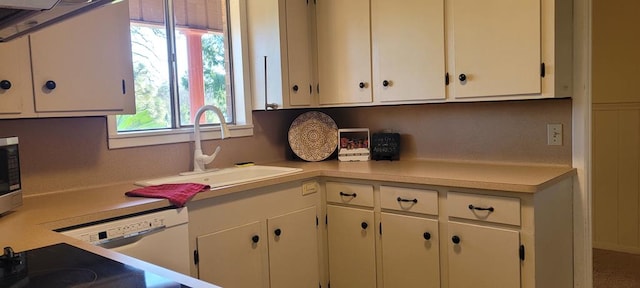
point(15, 79)
point(344, 52)
point(380, 52)
point(78, 67)
point(503, 49)
point(280, 51)
point(408, 50)
point(84, 63)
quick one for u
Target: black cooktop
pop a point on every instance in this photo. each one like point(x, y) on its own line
point(65, 266)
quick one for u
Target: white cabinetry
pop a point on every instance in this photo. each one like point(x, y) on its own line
point(280, 51)
point(15, 79)
point(409, 243)
point(351, 235)
point(293, 249)
point(408, 50)
point(344, 52)
point(482, 255)
point(266, 237)
point(222, 254)
point(393, 52)
point(499, 239)
point(449, 237)
point(81, 66)
point(501, 49)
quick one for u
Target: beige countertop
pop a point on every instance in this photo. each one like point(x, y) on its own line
point(30, 225)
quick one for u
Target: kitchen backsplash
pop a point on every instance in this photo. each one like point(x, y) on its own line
point(68, 153)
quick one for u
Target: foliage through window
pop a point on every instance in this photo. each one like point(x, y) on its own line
point(170, 89)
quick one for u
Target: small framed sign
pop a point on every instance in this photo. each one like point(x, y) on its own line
point(353, 144)
point(385, 146)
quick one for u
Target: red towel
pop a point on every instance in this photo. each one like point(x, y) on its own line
point(177, 194)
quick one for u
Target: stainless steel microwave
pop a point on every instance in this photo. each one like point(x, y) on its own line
point(10, 181)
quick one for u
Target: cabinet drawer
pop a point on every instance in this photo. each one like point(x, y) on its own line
point(408, 199)
point(484, 208)
point(349, 193)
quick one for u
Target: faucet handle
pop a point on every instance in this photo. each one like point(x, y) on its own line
point(206, 159)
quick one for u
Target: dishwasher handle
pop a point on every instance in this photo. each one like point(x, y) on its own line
point(127, 238)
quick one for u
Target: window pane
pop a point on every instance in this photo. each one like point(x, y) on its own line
point(202, 71)
point(201, 59)
point(202, 75)
point(150, 68)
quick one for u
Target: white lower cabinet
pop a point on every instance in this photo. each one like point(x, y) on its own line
point(233, 257)
point(410, 251)
point(293, 249)
point(351, 244)
point(236, 257)
point(481, 256)
point(449, 237)
point(257, 238)
point(410, 241)
point(379, 235)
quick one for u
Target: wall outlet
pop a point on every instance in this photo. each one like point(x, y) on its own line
point(310, 187)
point(554, 134)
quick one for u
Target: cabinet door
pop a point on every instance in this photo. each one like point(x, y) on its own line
point(15, 97)
point(299, 52)
point(496, 46)
point(280, 51)
point(344, 53)
point(483, 256)
point(265, 40)
point(235, 257)
point(89, 59)
point(351, 242)
point(410, 251)
point(293, 249)
point(408, 50)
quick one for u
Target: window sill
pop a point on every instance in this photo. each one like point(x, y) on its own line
point(169, 136)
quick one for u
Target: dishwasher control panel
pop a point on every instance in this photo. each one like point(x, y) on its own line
point(122, 231)
point(101, 233)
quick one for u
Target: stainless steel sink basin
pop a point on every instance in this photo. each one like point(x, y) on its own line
point(225, 177)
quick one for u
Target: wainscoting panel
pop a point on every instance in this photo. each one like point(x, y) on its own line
point(616, 177)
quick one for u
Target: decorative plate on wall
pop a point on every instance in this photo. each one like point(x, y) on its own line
point(313, 136)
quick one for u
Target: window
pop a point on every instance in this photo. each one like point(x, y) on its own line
point(183, 58)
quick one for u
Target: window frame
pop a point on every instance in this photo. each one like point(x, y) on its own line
point(243, 126)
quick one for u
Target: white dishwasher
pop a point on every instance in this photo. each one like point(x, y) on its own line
point(158, 237)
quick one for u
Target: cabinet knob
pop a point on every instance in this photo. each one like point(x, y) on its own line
point(364, 225)
point(362, 85)
point(50, 84)
point(295, 88)
point(386, 83)
point(462, 77)
point(455, 239)
point(426, 235)
point(255, 238)
point(278, 232)
point(5, 84)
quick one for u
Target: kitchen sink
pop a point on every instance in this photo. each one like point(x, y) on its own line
point(225, 176)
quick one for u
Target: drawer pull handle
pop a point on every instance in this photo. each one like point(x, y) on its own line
point(414, 200)
point(255, 238)
point(364, 225)
point(426, 235)
point(354, 195)
point(455, 239)
point(278, 232)
point(490, 209)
